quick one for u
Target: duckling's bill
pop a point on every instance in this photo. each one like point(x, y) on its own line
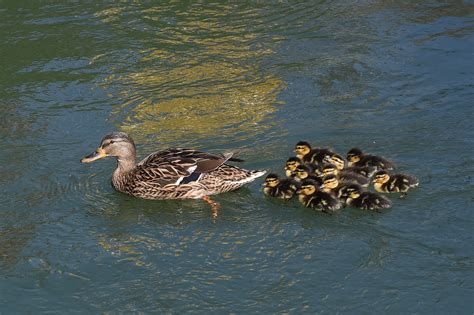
point(94, 156)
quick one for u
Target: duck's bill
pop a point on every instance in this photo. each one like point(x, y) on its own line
point(94, 156)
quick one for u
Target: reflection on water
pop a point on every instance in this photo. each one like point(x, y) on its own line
point(191, 86)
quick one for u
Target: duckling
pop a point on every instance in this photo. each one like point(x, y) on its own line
point(306, 172)
point(290, 166)
point(366, 200)
point(310, 155)
point(335, 159)
point(393, 183)
point(345, 175)
point(332, 185)
point(366, 171)
point(311, 197)
point(357, 158)
point(340, 162)
point(279, 188)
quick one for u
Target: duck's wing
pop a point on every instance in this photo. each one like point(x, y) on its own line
point(177, 165)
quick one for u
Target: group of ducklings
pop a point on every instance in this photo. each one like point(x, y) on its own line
point(326, 181)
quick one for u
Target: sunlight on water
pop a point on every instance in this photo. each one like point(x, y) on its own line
point(193, 87)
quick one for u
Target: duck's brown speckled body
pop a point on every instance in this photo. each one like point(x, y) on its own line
point(170, 174)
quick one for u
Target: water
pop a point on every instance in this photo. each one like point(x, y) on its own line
point(393, 78)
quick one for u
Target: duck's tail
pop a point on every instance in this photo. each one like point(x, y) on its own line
point(251, 176)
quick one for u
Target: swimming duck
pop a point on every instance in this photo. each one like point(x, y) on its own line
point(366, 171)
point(310, 155)
point(356, 157)
point(345, 175)
point(366, 200)
point(336, 160)
point(331, 184)
point(170, 174)
point(311, 197)
point(280, 188)
point(393, 183)
point(290, 166)
point(306, 172)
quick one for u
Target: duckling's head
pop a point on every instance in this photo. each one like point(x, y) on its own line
point(337, 160)
point(302, 171)
point(117, 144)
point(271, 180)
point(354, 155)
point(302, 148)
point(381, 177)
point(330, 182)
point(308, 187)
point(292, 163)
point(353, 191)
point(329, 169)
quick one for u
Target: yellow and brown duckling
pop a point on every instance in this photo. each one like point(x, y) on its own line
point(394, 183)
point(356, 157)
point(366, 171)
point(306, 172)
point(310, 155)
point(279, 188)
point(331, 184)
point(310, 195)
point(345, 175)
point(290, 166)
point(340, 162)
point(335, 159)
point(357, 197)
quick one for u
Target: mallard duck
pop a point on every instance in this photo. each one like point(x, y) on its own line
point(170, 174)
point(306, 172)
point(336, 160)
point(310, 155)
point(345, 175)
point(393, 183)
point(331, 184)
point(366, 171)
point(280, 188)
point(366, 200)
point(356, 157)
point(311, 197)
point(290, 166)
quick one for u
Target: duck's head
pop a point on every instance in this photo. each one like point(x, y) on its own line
point(381, 177)
point(302, 148)
point(308, 187)
point(330, 182)
point(337, 160)
point(292, 163)
point(302, 171)
point(354, 155)
point(271, 180)
point(352, 191)
point(329, 169)
point(117, 144)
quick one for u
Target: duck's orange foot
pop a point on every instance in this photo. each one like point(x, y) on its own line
point(214, 206)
